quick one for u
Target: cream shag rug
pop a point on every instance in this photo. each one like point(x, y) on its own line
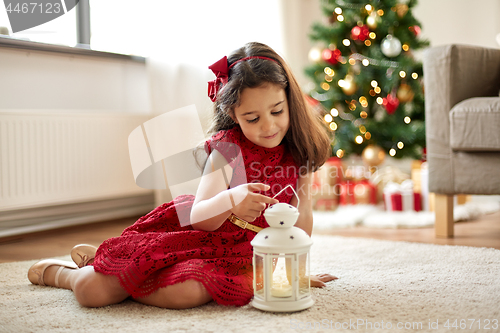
point(382, 285)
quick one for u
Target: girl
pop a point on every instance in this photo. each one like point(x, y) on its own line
point(264, 138)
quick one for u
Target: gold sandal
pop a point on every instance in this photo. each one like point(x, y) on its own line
point(35, 273)
point(83, 254)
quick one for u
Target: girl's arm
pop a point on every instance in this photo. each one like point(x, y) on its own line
point(210, 207)
point(214, 202)
point(305, 220)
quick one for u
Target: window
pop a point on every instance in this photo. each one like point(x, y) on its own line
point(176, 31)
point(62, 30)
point(187, 31)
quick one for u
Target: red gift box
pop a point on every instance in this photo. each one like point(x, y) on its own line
point(401, 197)
point(397, 202)
point(330, 173)
point(357, 192)
point(325, 185)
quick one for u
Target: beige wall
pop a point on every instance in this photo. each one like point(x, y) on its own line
point(459, 21)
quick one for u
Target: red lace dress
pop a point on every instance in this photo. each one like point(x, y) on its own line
point(156, 251)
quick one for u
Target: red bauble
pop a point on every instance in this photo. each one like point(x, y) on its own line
point(415, 29)
point(360, 32)
point(332, 57)
point(390, 103)
point(311, 101)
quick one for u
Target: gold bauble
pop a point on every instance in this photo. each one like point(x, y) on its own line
point(315, 54)
point(401, 9)
point(349, 86)
point(405, 94)
point(372, 20)
point(373, 155)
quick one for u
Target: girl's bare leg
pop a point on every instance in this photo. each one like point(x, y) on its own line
point(94, 289)
point(188, 294)
point(91, 289)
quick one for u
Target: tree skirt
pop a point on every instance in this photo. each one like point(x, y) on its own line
point(375, 216)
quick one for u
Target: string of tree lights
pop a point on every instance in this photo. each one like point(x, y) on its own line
point(366, 79)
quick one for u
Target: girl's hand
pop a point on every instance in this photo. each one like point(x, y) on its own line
point(249, 205)
point(319, 280)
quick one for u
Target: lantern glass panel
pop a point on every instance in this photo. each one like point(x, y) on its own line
point(281, 276)
point(259, 275)
point(304, 283)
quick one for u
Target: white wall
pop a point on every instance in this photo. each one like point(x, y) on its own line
point(51, 81)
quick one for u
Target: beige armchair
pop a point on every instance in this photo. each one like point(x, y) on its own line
point(462, 110)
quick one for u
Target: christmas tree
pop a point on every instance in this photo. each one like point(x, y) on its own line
point(367, 81)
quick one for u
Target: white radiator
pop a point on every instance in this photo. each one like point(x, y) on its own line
point(59, 169)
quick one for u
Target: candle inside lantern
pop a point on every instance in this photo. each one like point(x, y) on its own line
point(281, 286)
point(281, 290)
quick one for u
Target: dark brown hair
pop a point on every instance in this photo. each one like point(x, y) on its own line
point(306, 138)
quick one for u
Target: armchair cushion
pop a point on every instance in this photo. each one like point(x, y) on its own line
point(475, 125)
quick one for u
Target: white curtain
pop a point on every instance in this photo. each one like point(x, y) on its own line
point(182, 38)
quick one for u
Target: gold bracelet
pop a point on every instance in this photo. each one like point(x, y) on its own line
point(243, 224)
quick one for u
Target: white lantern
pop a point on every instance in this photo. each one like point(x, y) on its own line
point(281, 262)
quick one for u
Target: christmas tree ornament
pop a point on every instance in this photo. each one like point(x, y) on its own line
point(315, 54)
point(333, 18)
point(405, 94)
point(360, 33)
point(389, 72)
point(401, 9)
point(373, 155)
point(332, 57)
point(281, 260)
point(391, 46)
point(348, 85)
point(372, 20)
point(390, 103)
point(415, 29)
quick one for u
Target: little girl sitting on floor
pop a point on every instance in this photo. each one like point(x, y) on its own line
point(264, 137)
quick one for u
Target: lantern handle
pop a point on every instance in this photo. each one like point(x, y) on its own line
point(296, 195)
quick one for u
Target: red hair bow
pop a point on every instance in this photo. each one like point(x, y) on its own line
point(220, 70)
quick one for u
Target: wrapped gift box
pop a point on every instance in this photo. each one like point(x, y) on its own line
point(357, 192)
point(402, 197)
point(325, 185)
point(330, 173)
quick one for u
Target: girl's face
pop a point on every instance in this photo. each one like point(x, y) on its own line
point(263, 115)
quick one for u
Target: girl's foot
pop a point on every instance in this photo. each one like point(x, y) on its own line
point(47, 272)
point(83, 254)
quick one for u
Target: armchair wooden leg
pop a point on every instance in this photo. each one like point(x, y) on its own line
point(443, 206)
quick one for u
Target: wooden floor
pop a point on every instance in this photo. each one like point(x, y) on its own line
point(483, 232)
